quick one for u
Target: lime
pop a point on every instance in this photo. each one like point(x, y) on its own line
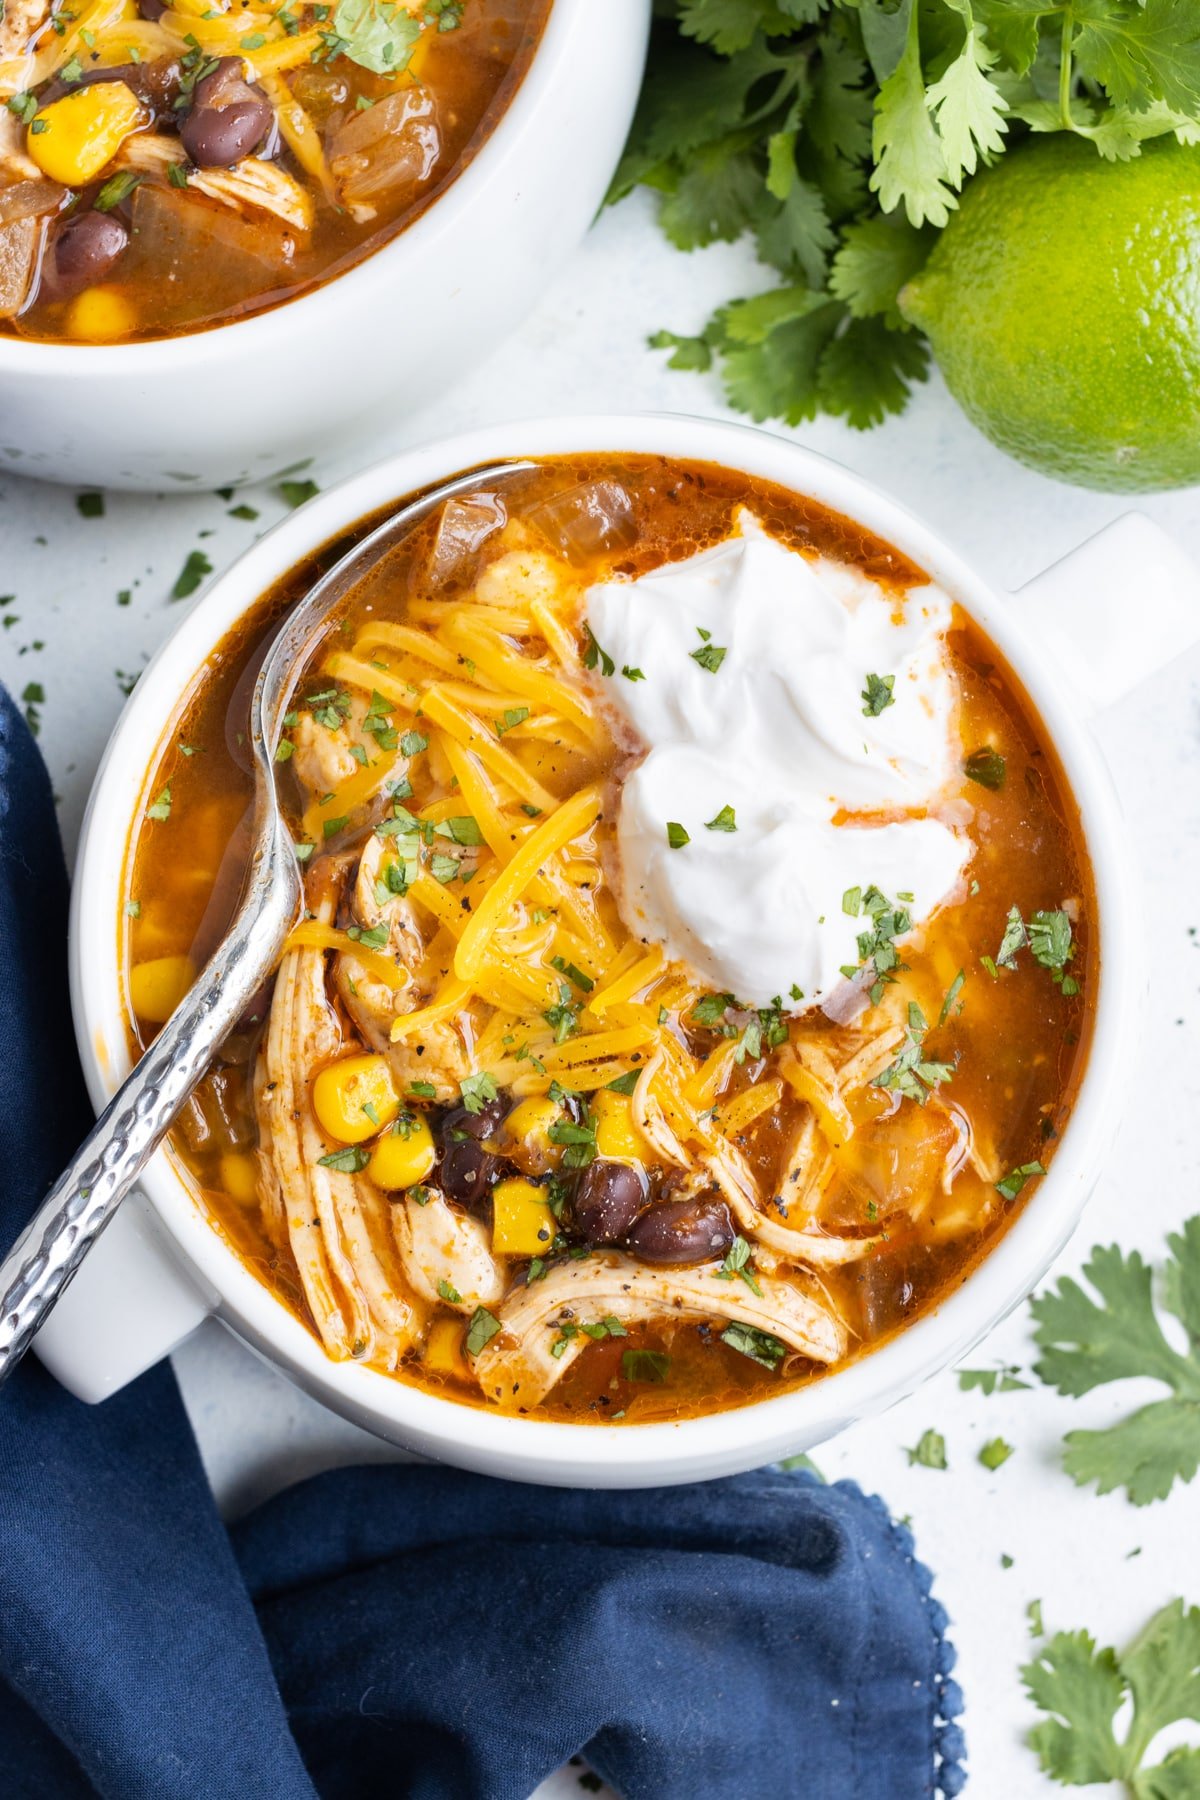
point(1063, 305)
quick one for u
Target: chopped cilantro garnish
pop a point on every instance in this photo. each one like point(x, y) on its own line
point(911, 1073)
point(482, 1329)
point(577, 1140)
point(726, 820)
point(373, 939)
point(195, 568)
point(564, 1016)
point(709, 656)
point(995, 1452)
point(952, 993)
point(877, 947)
point(1000, 1380)
point(464, 830)
point(677, 837)
point(295, 493)
point(929, 1452)
point(986, 767)
point(740, 1262)
point(350, 1161)
point(645, 1365)
point(624, 1084)
point(877, 695)
point(1012, 1183)
point(573, 974)
point(760, 1346)
point(593, 654)
point(477, 1090)
point(160, 807)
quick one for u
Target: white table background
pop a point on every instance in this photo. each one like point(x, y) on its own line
point(1092, 1562)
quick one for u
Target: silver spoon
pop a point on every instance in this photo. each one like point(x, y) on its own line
point(133, 1124)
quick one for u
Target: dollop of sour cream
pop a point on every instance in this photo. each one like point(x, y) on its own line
point(742, 672)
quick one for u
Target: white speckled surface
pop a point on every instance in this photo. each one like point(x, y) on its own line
point(1091, 1561)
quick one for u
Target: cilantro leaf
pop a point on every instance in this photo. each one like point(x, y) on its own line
point(1082, 1688)
point(686, 352)
point(969, 108)
point(794, 234)
point(867, 371)
point(910, 160)
point(876, 258)
point(714, 200)
point(775, 375)
point(1087, 1343)
point(1141, 53)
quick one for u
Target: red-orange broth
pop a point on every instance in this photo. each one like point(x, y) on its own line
point(896, 1214)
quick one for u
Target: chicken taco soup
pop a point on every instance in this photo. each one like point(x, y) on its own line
point(698, 952)
point(168, 167)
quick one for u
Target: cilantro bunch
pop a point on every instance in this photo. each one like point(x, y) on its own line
point(838, 135)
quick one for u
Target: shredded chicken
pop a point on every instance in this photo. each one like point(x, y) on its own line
point(441, 1056)
point(250, 183)
point(336, 1225)
point(524, 1361)
point(651, 1121)
point(446, 1252)
point(19, 21)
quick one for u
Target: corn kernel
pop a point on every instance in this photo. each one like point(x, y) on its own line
point(238, 1175)
point(444, 1349)
point(156, 987)
point(522, 1223)
point(616, 1134)
point(528, 1125)
point(99, 315)
point(354, 1098)
point(72, 139)
point(405, 1155)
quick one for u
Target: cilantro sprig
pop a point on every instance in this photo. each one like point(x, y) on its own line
point(1087, 1342)
point(1082, 1689)
point(838, 139)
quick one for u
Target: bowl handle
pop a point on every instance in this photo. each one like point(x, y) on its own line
point(1114, 611)
point(129, 1305)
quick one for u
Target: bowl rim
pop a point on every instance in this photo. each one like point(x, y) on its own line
point(549, 1450)
point(49, 358)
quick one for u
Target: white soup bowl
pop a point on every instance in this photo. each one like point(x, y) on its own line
point(162, 1267)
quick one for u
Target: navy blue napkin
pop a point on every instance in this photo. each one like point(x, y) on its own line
point(408, 1630)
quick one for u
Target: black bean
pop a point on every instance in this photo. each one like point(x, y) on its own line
point(84, 249)
point(228, 117)
point(482, 1124)
point(469, 1160)
point(467, 1171)
point(156, 84)
point(608, 1199)
point(683, 1231)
